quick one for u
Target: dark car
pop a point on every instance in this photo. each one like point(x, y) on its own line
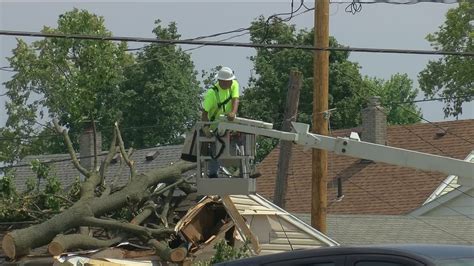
point(380, 255)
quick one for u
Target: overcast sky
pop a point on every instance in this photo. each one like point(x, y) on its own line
point(377, 26)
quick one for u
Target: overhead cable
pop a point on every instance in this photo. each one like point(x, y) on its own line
point(230, 44)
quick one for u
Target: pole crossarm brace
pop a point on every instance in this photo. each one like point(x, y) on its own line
point(363, 150)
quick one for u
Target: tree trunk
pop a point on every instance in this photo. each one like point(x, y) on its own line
point(20, 242)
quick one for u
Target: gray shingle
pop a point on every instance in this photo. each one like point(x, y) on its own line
point(382, 229)
point(67, 173)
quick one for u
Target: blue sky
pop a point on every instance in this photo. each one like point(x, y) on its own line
point(376, 26)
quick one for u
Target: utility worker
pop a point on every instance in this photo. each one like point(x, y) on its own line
point(221, 99)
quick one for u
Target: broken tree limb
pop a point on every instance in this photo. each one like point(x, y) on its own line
point(166, 206)
point(72, 153)
point(110, 155)
point(167, 253)
point(61, 243)
point(125, 157)
point(20, 242)
point(116, 225)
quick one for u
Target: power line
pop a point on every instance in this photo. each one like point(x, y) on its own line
point(424, 140)
point(239, 30)
point(433, 99)
point(231, 44)
point(56, 135)
point(413, 113)
point(434, 124)
point(414, 133)
point(67, 159)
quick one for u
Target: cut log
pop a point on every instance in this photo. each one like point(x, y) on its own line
point(63, 242)
point(20, 242)
point(167, 253)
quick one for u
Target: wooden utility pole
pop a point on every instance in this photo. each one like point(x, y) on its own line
point(291, 110)
point(320, 106)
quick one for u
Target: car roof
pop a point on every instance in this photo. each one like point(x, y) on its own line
point(421, 252)
point(437, 252)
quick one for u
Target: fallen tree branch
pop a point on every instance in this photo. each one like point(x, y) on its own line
point(19, 242)
point(166, 253)
point(61, 243)
point(166, 206)
point(70, 148)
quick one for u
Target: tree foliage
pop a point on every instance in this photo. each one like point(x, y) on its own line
point(74, 80)
point(163, 90)
point(349, 91)
point(396, 96)
point(451, 77)
point(43, 197)
point(66, 78)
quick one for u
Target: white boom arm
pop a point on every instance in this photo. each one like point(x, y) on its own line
point(359, 149)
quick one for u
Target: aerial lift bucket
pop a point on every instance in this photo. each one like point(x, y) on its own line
point(235, 151)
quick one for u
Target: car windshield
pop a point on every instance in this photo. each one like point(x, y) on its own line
point(456, 262)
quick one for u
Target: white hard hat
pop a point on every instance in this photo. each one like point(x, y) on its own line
point(225, 74)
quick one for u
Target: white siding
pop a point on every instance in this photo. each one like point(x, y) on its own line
point(462, 205)
point(276, 229)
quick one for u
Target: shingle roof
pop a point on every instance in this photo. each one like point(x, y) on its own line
point(67, 173)
point(369, 187)
point(383, 229)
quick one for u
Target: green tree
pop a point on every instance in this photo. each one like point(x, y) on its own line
point(164, 92)
point(348, 90)
point(396, 96)
point(74, 79)
point(451, 77)
point(265, 97)
point(66, 78)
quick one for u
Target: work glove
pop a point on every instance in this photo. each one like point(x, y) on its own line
point(207, 131)
point(230, 116)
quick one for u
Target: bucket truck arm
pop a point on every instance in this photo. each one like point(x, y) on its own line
point(359, 149)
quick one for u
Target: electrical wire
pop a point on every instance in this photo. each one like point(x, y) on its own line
point(410, 111)
point(354, 7)
point(422, 139)
point(435, 99)
point(239, 30)
point(233, 44)
point(56, 135)
point(67, 159)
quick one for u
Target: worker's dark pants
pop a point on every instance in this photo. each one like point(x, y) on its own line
point(214, 165)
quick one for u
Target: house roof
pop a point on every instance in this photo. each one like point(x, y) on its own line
point(370, 187)
point(393, 229)
point(67, 173)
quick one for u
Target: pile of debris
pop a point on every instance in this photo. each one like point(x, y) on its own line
point(194, 237)
point(160, 225)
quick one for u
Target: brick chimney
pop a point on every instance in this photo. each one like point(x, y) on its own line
point(86, 145)
point(374, 122)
